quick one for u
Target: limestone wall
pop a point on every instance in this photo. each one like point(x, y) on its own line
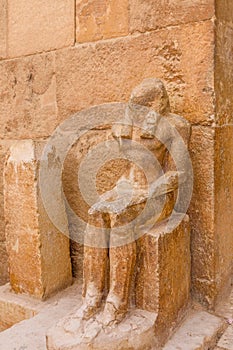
point(224, 139)
point(58, 57)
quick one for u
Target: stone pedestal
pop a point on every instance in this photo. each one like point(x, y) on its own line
point(39, 257)
point(136, 332)
point(164, 278)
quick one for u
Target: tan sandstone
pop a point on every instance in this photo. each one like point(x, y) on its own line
point(171, 285)
point(202, 214)
point(28, 97)
point(200, 331)
point(149, 15)
point(120, 64)
point(4, 147)
point(3, 28)
point(211, 222)
point(38, 26)
point(98, 19)
point(223, 213)
point(224, 56)
point(226, 341)
point(3, 263)
point(39, 257)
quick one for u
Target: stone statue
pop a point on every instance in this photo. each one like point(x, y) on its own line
point(127, 199)
point(128, 274)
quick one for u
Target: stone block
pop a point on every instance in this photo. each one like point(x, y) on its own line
point(202, 214)
point(224, 10)
point(224, 70)
point(39, 256)
point(163, 286)
point(3, 28)
point(28, 97)
point(31, 333)
point(107, 71)
point(210, 211)
point(97, 19)
point(39, 26)
point(199, 331)
point(224, 205)
point(149, 15)
point(4, 147)
point(13, 312)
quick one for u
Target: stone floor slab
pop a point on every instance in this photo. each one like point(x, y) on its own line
point(199, 332)
point(31, 333)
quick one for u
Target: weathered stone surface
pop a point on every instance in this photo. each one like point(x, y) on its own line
point(119, 245)
point(4, 146)
point(224, 57)
point(98, 19)
point(199, 332)
point(174, 278)
point(3, 28)
point(39, 26)
point(39, 257)
point(135, 332)
point(31, 333)
point(13, 310)
point(224, 204)
point(107, 177)
point(152, 14)
point(181, 56)
point(28, 97)
point(224, 307)
point(224, 11)
point(4, 276)
point(156, 290)
point(211, 220)
point(226, 341)
point(202, 214)
point(162, 286)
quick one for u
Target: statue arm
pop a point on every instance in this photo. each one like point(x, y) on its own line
point(174, 172)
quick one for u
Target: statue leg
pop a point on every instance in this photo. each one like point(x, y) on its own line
point(94, 264)
point(122, 262)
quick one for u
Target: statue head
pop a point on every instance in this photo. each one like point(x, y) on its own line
point(151, 93)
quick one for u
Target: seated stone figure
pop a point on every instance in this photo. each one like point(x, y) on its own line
point(117, 213)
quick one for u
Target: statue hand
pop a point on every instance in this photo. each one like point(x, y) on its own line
point(165, 184)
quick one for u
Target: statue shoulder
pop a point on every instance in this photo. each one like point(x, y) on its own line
point(181, 125)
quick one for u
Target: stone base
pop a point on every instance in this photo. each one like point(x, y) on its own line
point(136, 332)
point(200, 331)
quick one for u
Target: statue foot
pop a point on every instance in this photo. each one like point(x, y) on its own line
point(112, 315)
point(75, 322)
point(71, 325)
point(87, 310)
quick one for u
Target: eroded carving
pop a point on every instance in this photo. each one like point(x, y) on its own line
point(135, 205)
